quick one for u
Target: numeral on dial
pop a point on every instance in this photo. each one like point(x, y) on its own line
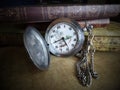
point(70, 28)
point(75, 40)
point(51, 36)
point(53, 30)
point(56, 46)
point(72, 45)
point(58, 27)
point(67, 49)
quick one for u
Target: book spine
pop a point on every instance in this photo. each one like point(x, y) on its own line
point(49, 13)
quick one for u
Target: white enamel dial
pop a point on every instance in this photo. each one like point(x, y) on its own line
point(64, 37)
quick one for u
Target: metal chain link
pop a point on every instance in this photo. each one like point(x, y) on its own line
point(85, 66)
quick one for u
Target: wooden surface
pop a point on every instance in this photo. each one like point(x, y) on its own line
point(17, 72)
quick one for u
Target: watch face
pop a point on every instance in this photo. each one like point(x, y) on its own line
point(37, 48)
point(64, 37)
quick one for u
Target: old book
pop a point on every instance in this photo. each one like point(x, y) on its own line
point(107, 38)
point(107, 43)
point(48, 13)
point(97, 23)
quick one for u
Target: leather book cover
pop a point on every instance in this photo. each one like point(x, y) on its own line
point(34, 14)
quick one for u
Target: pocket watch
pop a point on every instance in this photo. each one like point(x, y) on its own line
point(63, 37)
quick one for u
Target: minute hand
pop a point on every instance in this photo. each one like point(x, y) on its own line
point(64, 41)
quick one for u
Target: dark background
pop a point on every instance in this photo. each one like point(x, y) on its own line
point(12, 3)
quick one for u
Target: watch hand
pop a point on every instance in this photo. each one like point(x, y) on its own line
point(57, 40)
point(65, 42)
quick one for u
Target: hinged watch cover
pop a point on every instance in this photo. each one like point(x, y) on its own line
point(37, 48)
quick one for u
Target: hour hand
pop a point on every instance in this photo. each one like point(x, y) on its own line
point(57, 40)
